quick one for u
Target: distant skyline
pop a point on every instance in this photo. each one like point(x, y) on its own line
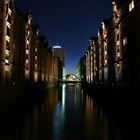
point(68, 24)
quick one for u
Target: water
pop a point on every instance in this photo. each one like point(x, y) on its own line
point(66, 113)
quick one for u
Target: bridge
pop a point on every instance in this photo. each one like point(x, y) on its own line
point(71, 78)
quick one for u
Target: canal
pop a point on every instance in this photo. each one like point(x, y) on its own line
point(64, 113)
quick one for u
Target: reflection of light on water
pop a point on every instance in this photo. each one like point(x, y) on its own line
point(63, 95)
point(59, 116)
point(89, 102)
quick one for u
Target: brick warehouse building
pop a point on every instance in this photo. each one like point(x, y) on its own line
point(115, 59)
point(24, 55)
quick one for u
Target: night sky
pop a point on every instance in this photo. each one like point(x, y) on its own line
point(68, 23)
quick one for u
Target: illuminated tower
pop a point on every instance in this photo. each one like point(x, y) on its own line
point(60, 53)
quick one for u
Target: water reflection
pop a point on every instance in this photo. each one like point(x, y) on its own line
point(66, 114)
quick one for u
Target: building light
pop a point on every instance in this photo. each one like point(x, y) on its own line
point(27, 41)
point(7, 52)
point(9, 11)
point(8, 24)
point(27, 51)
point(118, 65)
point(105, 62)
point(29, 21)
point(7, 38)
point(118, 54)
point(35, 49)
point(28, 33)
point(35, 57)
point(27, 61)
point(124, 41)
point(118, 43)
point(27, 72)
point(6, 61)
point(131, 6)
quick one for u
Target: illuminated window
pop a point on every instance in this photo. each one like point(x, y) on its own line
point(118, 54)
point(35, 57)
point(7, 38)
point(7, 52)
point(124, 41)
point(27, 51)
point(131, 6)
point(118, 43)
point(26, 72)
point(6, 61)
point(8, 24)
point(36, 49)
point(29, 21)
point(27, 41)
point(27, 61)
point(35, 65)
point(9, 11)
point(28, 33)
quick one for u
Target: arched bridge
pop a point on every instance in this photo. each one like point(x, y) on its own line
point(71, 78)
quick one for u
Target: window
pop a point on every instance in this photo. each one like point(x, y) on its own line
point(6, 61)
point(27, 51)
point(7, 38)
point(125, 41)
point(131, 6)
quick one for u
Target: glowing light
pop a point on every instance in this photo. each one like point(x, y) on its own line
point(27, 41)
point(63, 95)
point(27, 61)
point(7, 38)
point(131, 6)
point(27, 51)
point(56, 47)
point(9, 11)
point(35, 76)
point(7, 52)
point(8, 24)
point(6, 61)
point(124, 41)
point(27, 72)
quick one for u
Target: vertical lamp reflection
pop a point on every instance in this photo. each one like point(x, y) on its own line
point(59, 115)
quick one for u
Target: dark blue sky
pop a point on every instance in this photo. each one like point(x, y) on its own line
point(68, 23)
